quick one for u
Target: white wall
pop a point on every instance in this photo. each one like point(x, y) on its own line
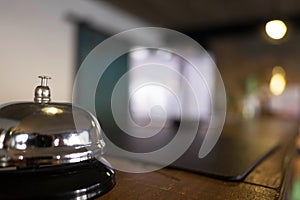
point(36, 38)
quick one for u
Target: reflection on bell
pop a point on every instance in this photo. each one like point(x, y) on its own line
point(45, 154)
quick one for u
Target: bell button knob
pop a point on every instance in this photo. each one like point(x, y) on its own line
point(42, 92)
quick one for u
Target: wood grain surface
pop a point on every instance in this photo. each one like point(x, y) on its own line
point(269, 180)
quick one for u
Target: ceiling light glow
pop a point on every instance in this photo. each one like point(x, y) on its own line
point(276, 29)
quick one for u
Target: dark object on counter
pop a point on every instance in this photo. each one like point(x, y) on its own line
point(238, 151)
point(51, 150)
point(83, 180)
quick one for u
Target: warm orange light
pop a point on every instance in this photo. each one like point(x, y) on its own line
point(277, 84)
point(52, 110)
point(278, 70)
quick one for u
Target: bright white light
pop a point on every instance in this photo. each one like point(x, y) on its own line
point(56, 142)
point(93, 124)
point(276, 29)
point(81, 138)
point(21, 140)
point(148, 97)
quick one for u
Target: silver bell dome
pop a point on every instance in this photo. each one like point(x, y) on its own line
point(43, 133)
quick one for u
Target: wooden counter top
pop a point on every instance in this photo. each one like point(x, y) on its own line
point(269, 180)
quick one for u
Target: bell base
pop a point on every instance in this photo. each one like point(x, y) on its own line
point(84, 180)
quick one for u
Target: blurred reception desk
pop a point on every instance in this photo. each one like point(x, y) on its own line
point(270, 179)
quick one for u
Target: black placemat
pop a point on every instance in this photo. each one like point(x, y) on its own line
point(232, 158)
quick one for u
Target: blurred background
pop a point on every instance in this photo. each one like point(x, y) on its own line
point(53, 38)
point(261, 74)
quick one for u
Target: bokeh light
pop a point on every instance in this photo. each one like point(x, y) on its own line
point(276, 29)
